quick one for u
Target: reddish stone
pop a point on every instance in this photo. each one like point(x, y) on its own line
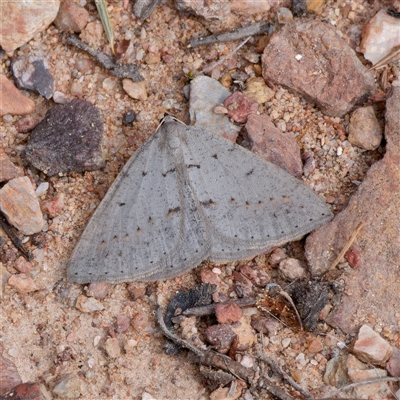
point(53, 206)
point(136, 292)
point(207, 276)
point(274, 146)
point(12, 101)
point(98, 290)
point(228, 313)
point(240, 107)
point(352, 256)
point(220, 336)
point(28, 391)
point(315, 346)
point(9, 376)
point(310, 59)
point(140, 321)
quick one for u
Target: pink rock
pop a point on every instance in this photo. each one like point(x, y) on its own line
point(272, 145)
point(21, 20)
point(240, 107)
point(136, 292)
point(7, 169)
point(23, 265)
point(140, 321)
point(207, 276)
point(380, 34)
point(53, 206)
point(12, 101)
point(310, 59)
point(228, 313)
point(250, 7)
point(276, 257)
point(98, 290)
point(372, 286)
point(393, 365)
point(9, 376)
point(123, 323)
point(19, 203)
point(22, 283)
point(368, 346)
point(266, 325)
point(315, 346)
point(71, 17)
point(26, 124)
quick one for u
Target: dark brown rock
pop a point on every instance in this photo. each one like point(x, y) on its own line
point(68, 139)
point(228, 313)
point(220, 336)
point(311, 60)
point(240, 107)
point(372, 286)
point(9, 376)
point(272, 145)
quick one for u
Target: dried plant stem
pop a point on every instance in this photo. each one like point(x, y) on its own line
point(346, 246)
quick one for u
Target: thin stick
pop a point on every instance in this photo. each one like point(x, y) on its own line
point(362, 383)
point(346, 246)
point(14, 238)
point(223, 59)
point(210, 309)
point(236, 34)
point(278, 370)
point(120, 71)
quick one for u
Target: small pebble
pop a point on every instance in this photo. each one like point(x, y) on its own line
point(129, 117)
point(88, 304)
point(240, 107)
point(70, 387)
point(22, 283)
point(42, 188)
point(291, 269)
point(276, 257)
point(112, 348)
point(228, 313)
point(17, 103)
point(220, 336)
point(98, 290)
point(122, 324)
point(8, 170)
point(136, 90)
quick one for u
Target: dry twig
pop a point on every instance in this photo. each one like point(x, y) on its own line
point(346, 246)
point(236, 34)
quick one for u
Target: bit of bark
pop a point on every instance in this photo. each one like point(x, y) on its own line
point(14, 238)
point(120, 71)
point(236, 34)
point(210, 309)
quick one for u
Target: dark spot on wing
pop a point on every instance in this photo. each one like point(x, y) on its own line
point(208, 203)
point(214, 156)
point(121, 204)
point(173, 211)
point(144, 173)
point(250, 172)
point(193, 166)
point(164, 174)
